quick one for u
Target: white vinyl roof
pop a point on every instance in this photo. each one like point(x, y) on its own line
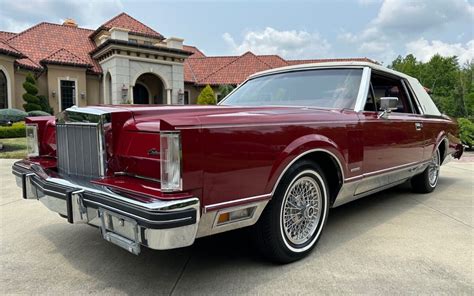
point(426, 103)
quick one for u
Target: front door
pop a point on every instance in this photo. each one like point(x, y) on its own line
point(140, 94)
point(391, 145)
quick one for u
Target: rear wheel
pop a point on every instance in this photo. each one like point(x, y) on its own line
point(293, 221)
point(426, 181)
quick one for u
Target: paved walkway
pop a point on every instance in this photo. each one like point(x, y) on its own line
point(395, 242)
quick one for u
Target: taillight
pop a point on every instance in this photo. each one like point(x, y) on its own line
point(32, 144)
point(171, 162)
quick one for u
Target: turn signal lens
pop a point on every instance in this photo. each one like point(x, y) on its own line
point(170, 152)
point(32, 145)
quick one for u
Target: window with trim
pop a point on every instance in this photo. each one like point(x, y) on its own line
point(385, 86)
point(134, 41)
point(68, 93)
point(3, 91)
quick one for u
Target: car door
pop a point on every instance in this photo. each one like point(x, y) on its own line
point(392, 145)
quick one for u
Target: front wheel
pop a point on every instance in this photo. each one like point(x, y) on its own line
point(292, 223)
point(426, 181)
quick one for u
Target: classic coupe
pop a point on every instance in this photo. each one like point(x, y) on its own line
point(276, 154)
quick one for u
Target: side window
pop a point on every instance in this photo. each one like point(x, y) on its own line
point(384, 86)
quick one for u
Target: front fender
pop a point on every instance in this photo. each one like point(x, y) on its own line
point(299, 148)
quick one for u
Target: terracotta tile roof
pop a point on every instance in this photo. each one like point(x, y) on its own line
point(196, 52)
point(197, 69)
point(125, 21)
point(6, 35)
point(41, 41)
point(9, 50)
point(65, 57)
point(235, 69)
point(28, 64)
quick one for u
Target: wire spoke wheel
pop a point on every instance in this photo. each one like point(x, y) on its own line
point(433, 169)
point(301, 211)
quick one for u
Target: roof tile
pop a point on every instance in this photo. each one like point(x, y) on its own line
point(125, 21)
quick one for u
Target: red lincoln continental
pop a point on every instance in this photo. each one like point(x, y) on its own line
point(277, 153)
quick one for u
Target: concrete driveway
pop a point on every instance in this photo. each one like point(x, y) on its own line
point(394, 242)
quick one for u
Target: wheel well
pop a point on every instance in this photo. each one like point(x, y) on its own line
point(331, 169)
point(442, 150)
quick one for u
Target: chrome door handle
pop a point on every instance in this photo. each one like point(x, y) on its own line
point(418, 126)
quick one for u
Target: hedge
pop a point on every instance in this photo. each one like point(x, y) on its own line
point(38, 113)
point(17, 130)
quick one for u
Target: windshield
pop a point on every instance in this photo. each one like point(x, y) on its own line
point(326, 88)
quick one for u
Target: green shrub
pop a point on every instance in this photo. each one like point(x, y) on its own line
point(12, 115)
point(38, 113)
point(206, 97)
point(17, 130)
point(30, 97)
point(466, 132)
point(44, 103)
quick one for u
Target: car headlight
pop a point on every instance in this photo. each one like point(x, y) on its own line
point(32, 145)
point(170, 159)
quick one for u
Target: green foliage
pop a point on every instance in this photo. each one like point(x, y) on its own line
point(30, 97)
point(38, 113)
point(451, 84)
point(44, 103)
point(224, 90)
point(17, 130)
point(206, 97)
point(12, 115)
point(466, 132)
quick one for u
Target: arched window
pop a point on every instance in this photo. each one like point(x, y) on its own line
point(3, 91)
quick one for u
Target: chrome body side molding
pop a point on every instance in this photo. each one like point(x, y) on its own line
point(373, 182)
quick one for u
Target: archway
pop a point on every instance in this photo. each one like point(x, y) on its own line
point(149, 89)
point(3, 90)
point(108, 88)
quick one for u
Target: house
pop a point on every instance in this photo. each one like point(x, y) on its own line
point(122, 61)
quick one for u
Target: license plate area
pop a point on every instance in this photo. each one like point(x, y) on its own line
point(120, 230)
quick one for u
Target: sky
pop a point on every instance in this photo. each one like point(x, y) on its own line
point(377, 29)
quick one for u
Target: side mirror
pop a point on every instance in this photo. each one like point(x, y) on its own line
point(387, 105)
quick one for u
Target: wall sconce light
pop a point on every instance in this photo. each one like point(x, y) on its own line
point(53, 93)
point(181, 97)
point(124, 92)
point(83, 95)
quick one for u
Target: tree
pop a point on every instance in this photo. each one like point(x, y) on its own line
point(207, 96)
point(44, 103)
point(30, 97)
point(224, 90)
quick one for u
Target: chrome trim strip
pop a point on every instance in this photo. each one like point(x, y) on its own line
point(217, 206)
point(269, 124)
point(374, 173)
point(363, 90)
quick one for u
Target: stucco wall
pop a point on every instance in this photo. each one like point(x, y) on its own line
point(94, 90)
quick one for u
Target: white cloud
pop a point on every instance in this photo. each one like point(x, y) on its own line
point(408, 16)
point(424, 49)
point(16, 16)
point(289, 44)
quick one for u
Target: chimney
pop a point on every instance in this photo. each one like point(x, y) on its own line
point(70, 22)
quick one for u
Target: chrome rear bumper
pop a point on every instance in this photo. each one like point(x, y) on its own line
point(126, 222)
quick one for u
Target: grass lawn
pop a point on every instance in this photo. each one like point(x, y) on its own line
point(13, 148)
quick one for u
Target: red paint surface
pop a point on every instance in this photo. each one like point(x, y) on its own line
point(237, 152)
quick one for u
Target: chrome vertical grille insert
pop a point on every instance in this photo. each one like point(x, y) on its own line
point(80, 142)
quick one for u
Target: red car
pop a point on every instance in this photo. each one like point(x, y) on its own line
point(277, 153)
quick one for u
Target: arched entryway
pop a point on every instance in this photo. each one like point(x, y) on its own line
point(149, 89)
point(3, 90)
point(108, 88)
